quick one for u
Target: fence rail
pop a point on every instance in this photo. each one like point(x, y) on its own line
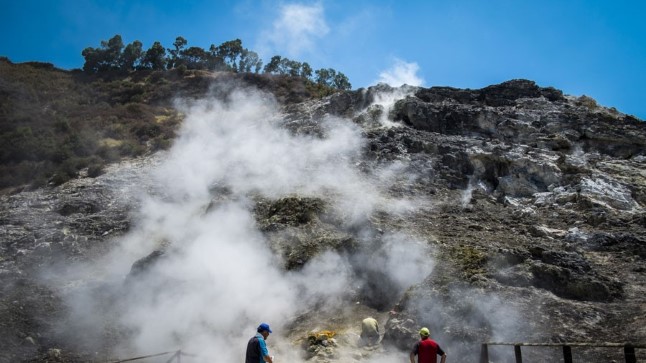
point(629, 349)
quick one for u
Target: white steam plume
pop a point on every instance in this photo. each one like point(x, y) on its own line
point(217, 278)
point(401, 73)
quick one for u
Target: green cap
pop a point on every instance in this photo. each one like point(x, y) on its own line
point(424, 332)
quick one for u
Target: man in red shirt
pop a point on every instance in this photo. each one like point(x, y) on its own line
point(426, 349)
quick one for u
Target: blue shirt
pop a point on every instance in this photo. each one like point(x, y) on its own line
point(256, 349)
point(263, 347)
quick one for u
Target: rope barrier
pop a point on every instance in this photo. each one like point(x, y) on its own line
point(144, 357)
point(176, 355)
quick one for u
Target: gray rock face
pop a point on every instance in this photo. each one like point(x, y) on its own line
point(518, 111)
point(552, 196)
point(531, 203)
point(43, 231)
point(549, 159)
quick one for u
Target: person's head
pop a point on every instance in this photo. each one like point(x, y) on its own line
point(424, 333)
point(264, 330)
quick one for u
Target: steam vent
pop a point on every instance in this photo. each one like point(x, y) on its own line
point(512, 213)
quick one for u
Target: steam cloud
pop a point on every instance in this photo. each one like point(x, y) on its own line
point(217, 278)
point(401, 73)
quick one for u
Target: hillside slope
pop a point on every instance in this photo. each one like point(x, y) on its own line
point(512, 212)
point(55, 122)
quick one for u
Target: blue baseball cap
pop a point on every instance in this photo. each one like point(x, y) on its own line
point(263, 327)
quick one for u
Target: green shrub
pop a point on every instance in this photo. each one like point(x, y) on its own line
point(131, 148)
point(65, 171)
point(61, 154)
point(471, 260)
point(147, 131)
point(62, 125)
point(319, 90)
point(587, 102)
point(71, 166)
point(59, 178)
point(96, 167)
point(156, 77)
point(108, 154)
point(159, 143)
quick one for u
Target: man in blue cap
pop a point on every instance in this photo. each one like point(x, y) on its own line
point(257, 348)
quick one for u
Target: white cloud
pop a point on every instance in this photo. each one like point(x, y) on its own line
point(295, 30)
point(401, 73)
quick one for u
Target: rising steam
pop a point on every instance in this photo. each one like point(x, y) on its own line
point(216, 278)
point(401, 73)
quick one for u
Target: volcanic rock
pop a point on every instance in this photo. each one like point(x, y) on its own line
point(531, 204)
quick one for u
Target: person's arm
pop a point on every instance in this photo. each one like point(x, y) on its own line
point(413, 352)
point(441, 353)
point(264, 352)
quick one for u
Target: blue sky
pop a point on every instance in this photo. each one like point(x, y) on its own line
point(597, 48)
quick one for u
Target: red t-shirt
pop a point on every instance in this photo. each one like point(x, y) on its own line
point(427, 350)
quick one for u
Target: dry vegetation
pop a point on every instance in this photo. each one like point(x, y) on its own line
point(56, 123)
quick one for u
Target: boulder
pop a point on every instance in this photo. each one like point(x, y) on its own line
point(400, 332)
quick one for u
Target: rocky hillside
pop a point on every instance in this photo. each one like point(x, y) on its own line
point(509, 213)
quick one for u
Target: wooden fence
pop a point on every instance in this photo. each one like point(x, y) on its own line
point(629, 349)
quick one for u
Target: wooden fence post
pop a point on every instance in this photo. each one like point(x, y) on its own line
point(567, 354)
point(629, 353)
point(629, 349)
point(519, 356)
point(484, 353)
